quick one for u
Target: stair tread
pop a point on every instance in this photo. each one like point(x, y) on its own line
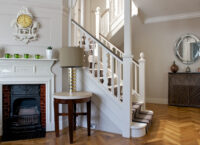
point(144, 116)
point(137, 103)
point(147, 112)
point(137, 125)
point(140, 120)
point(136, 106)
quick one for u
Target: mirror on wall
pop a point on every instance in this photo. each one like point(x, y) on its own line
point(187, 49)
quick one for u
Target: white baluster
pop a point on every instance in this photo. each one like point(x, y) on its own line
point(98, 64)
point(112, 72)
point(87, 43)
point(105, 68)
point(118, 79)
point(93, 61)
point(136, 78)
point(142, 78)
point(81, 36)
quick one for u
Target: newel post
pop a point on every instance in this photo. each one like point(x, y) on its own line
point(108, 17)
point(97, 14)
point(97, 31)
point(142, 79)
point(127, 77)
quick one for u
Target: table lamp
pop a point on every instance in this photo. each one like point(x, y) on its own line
point(71, 58)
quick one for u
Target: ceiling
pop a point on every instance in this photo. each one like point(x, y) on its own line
point(167, 8)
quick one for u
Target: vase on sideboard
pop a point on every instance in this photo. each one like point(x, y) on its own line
point(174, 68)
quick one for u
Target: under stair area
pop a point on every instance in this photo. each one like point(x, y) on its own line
point(141, 119)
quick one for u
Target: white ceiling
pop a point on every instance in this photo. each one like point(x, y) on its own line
point(167, 8)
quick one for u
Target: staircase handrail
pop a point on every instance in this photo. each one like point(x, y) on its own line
point(111, 46)
point(115, 47)
point(98, 41)
point(106, 11)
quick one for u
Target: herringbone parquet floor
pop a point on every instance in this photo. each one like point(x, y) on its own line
point(171, 126)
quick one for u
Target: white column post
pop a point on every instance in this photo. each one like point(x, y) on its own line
point(69, 23)
point(108, 16)
point(127, 59)
point(142, 79)
point(82, 12)
point(97, 13)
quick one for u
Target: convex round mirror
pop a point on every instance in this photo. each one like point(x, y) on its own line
point(187, 48)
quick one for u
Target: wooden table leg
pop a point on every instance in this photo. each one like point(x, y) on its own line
point(56, 117)
point(71, 126)
point(74, 116)
point(88, 116)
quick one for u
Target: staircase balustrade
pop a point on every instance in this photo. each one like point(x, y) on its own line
point(101, 66)
point(107, 65)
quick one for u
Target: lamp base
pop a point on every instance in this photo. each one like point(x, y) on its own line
point(72, 80)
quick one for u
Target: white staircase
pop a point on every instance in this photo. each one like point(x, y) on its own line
point(106, 67)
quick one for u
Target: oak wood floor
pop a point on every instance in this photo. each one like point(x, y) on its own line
point(171, 126)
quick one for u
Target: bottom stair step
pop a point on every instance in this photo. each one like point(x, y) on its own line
point(148, 112)
point(138, 129)
point(141, 120)
point(144, 116)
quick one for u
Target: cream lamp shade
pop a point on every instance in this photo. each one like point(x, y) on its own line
point(71, 57)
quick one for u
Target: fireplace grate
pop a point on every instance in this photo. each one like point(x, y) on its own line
point(19, 120)
point(23, 127)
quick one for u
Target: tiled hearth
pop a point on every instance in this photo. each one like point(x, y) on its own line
point(27, 72)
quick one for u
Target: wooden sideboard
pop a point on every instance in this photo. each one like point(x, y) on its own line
point(184, 89)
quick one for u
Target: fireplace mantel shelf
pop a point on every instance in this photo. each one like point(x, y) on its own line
point(25, 59)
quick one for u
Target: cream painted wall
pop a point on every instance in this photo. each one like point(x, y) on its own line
point(157, 42)
point(51, 16)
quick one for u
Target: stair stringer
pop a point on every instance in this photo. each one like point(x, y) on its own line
point(105, 102)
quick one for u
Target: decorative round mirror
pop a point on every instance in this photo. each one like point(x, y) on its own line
point(187, 49)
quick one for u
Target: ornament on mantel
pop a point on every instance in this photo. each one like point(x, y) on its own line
point(174, 68)
point(25, 26)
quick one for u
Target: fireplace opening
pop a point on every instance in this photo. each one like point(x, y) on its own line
point(22, 115)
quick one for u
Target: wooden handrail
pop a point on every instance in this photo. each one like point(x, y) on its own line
point(73, 21)
point(110, 42)
point(107, 10)
point(134, 61)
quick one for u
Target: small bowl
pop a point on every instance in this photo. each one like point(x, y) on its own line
point(16, 55)
point(26, 56)
point(7, 55)
point(37, 56)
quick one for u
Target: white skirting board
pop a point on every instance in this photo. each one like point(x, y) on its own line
point(157, 100)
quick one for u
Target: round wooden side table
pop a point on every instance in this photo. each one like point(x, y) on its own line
point(72, 100)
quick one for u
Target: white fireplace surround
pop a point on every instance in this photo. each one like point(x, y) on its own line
point(29, 71)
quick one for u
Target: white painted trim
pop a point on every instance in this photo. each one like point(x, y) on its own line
point(157, 100)
point(29, 72)
point(172, 17)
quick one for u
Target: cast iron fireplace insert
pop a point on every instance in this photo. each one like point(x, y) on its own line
point(24, 121)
